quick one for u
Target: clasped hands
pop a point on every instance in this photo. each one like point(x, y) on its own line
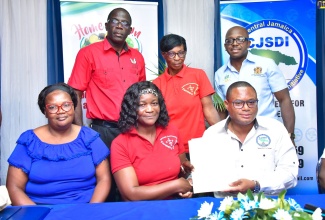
point(186, 169)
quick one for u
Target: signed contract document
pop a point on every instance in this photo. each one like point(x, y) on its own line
point(214, 168)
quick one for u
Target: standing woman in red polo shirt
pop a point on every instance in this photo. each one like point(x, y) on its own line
point(187, 91)
point(147, 156)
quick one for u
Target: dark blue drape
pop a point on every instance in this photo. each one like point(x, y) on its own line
point(55, 72)
point(320, 79)
point(217, 36)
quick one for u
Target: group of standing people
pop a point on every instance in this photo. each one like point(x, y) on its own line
point(137, 145)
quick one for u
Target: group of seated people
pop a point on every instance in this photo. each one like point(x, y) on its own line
point(61, 162)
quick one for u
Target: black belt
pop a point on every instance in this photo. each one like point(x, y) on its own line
point(110, 124)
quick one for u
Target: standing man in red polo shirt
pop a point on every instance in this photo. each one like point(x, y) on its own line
point(105, 70)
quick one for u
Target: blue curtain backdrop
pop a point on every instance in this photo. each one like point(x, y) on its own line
point(320, 79)
point(217, 36)
point(54, 43)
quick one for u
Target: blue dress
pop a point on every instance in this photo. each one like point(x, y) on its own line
point(59, 173)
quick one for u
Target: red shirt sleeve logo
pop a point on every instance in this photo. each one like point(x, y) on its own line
point(169, 141)
point(190, 88)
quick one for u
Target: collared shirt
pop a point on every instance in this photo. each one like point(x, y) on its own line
point(105, 75)
point(183, 93)
point(262, 73)
point(266, 155)
point(153, 163)
point(323, 155)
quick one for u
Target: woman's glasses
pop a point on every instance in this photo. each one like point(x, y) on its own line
point(172, 54)
point(53, 109)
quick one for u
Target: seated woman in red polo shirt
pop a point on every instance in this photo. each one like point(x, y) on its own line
point(146, 157)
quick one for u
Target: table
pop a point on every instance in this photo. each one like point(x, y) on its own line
point(163, 209)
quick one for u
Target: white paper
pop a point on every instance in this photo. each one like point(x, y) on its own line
point(4, 198)
point(214, 168)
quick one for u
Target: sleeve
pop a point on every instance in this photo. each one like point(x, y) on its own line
point(286, 166)
point(19, 158)
point(99, 151)
point(181, 147)
point(217, 88)
point(205, 85)
point(119, 155)
point(276, 78)
point(81, 72)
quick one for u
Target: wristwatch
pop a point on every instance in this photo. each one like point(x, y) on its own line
point(257, 187)
point(292, 136)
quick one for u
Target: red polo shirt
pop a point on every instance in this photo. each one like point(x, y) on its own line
point(153, 164)
point(105, 76)
point(183, 93)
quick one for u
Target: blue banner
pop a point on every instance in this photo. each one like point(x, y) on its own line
point(285, 32)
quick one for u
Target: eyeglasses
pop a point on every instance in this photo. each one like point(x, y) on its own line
point(116, 22)
point(53, 109)
point(239, 104)
point(172, 54)
point(239, 40)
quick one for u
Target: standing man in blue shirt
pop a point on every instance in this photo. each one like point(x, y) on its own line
point(260, 72)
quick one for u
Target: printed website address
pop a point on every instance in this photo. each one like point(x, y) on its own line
point(305, 178)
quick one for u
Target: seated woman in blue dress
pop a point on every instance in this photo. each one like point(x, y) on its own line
point(147, 156)
point(59, 162)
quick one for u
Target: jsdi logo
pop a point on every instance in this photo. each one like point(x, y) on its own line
point(281, 42)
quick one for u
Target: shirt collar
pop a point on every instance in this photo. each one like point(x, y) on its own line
point(108, 46)
point(180, 74)
point(135, 132)
point(256, 125)
point(249, 58)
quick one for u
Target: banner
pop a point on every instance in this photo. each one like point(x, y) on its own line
point(285, 31)
point(83, 23)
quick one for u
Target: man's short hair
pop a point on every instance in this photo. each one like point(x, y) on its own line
point(236, 85)
point(119, 9)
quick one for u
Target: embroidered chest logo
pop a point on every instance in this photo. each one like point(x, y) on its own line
point(169, 141)
point(263, 140)
point(227, 78)
point(133, 60)
point(190, 88)
point(257, 70)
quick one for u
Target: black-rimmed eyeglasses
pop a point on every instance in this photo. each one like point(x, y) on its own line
point(116, 22)
point(53, 109)
point(239, 104)
point(239, 40)
point(172, 54)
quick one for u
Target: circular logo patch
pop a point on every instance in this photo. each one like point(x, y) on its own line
point(263, 140)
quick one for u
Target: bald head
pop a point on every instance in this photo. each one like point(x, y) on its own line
point(237, 29)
